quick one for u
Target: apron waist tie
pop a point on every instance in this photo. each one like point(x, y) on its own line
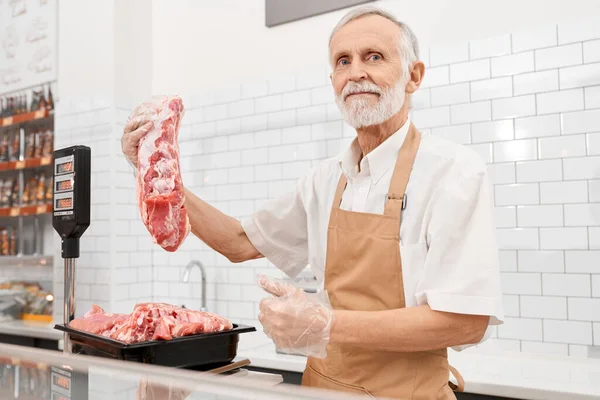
point(459, 379)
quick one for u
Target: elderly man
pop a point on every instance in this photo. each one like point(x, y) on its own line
point(398, 230)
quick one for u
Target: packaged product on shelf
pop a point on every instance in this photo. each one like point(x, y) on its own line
point(15, 145)
point(41, 189)
point(6, 192)
point(3, 200)
point(39, 143)
point(48, 143)
point(13, 242)
point(28, 191)
point(25, 197)
point(33, 189)
point(50, 189)
point(4, 245)
point(4, 145)
point(30, 145)
point(2, 205)
point(14, 196)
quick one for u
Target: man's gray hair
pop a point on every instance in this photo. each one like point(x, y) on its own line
point(408, 45)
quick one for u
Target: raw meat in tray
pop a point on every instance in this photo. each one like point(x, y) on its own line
point(150, 321)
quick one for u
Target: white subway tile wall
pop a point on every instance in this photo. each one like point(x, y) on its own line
point(93, 127)
point(527, 102)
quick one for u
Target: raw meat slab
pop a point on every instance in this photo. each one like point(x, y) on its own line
point(159, 185)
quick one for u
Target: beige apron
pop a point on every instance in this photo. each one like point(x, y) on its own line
point(364, 272)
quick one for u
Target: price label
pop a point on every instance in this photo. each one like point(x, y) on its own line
point(39, 114)
point(46, 160)
point(20, 165)
point(14, 212)
point(7, 121)
point(40, 209)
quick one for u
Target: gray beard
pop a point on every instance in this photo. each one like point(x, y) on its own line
point(358, 113)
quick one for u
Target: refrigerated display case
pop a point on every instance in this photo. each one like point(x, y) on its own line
point(35, 374)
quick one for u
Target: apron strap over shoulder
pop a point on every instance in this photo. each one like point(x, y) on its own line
point(337, 200)
point(396, 196)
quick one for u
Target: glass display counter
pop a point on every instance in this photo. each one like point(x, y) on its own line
point(36, 374)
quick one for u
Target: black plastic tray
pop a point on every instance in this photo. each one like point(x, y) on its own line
point(181, 352)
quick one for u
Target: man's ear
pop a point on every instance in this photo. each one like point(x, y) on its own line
point(416, 77)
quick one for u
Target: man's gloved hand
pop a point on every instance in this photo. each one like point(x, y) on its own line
point(296, 321)
point(276, 287)
point(138, 125)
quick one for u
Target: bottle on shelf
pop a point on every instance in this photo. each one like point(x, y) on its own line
point(50, 103)
point(35, 100)
point(42, 100)
point(23, 103)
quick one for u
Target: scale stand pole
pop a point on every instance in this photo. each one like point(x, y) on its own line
point(69, 311)
point(70, 252)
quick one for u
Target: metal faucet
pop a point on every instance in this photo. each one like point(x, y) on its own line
point(186, 278)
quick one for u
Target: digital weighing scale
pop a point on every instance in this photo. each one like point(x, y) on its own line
point(70, 218)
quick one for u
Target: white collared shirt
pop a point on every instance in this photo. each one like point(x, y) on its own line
point(447, 236)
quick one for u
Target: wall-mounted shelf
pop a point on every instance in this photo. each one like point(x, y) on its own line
point(35, 209)
point(26, 163)
point(25, 117)
point(26, 261)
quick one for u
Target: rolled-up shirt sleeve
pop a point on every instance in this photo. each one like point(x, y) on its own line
point(279, 231)
point(461, 271)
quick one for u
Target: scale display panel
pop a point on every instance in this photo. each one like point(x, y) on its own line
point(64, 165)
point(64, 187)
point(60, 383)
point(64, 183)
point(64, 202)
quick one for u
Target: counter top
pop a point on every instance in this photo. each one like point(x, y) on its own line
point(508, 374)
point(33, 329)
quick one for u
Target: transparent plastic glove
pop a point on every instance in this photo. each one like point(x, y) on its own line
point(276, 287)
point(298, 322)
point(138, 125)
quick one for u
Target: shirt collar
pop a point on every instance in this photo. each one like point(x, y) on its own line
point(379, 160)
